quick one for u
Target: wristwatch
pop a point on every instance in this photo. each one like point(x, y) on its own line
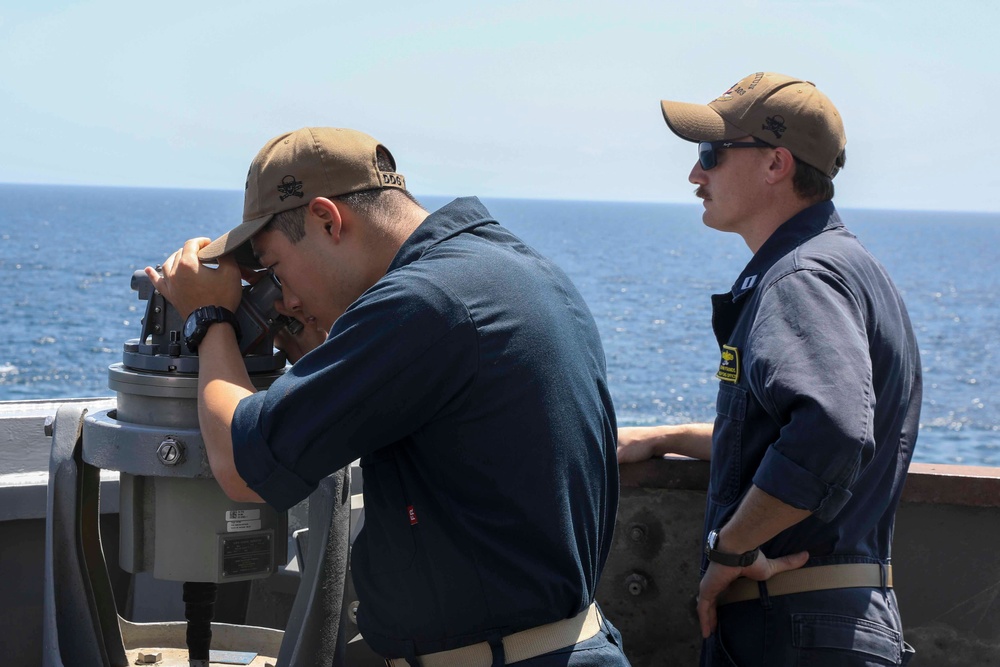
point(723, 558)
point(198, 322)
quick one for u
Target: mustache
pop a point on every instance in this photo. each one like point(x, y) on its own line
point(701, 193)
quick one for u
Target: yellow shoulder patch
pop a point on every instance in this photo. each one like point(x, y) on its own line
point(729, 367)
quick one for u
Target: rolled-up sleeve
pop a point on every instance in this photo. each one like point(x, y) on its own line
point(811, 371)
point(798, 486)
point(279, 486)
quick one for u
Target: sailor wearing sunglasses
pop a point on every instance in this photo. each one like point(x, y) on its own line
point(819, 395)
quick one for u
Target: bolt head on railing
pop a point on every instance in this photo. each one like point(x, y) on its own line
point(170, 452)
point(637, 533)
point(636, 583)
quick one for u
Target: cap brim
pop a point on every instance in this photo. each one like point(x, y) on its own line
point(697, 122)
point(237, 243)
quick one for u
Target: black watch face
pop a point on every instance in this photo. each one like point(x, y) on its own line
point(190, 325)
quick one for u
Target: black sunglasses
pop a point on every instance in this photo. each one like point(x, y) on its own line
point(708, 151)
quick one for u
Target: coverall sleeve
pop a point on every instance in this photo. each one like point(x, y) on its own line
point(402, 353)
point(810, 367)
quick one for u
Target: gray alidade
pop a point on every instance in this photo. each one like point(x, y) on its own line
point(176, 522)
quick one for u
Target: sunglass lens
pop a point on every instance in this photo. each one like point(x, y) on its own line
point(706, 155)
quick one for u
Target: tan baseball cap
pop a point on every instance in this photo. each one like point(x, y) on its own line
point(293, 168)
point(781, 110)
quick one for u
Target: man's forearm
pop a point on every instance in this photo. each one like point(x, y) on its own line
point(222, 383)
point(758, 519)
point(694, 440)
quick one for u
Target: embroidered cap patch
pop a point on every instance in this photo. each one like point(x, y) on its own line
point(729, 367)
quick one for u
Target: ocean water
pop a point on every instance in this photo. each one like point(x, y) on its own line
point(67, 255)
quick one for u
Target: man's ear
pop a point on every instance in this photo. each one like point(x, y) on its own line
point(781, 167)
point(326, 214)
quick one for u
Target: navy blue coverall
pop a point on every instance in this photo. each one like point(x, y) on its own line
point(818, 406)
point(470, 380)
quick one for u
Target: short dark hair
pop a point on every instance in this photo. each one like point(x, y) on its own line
point(368, 203)
point(291, 223)
point(811, 183)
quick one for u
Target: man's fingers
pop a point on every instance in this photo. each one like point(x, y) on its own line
point(154, 277)
point(706, 616)
point(189, 252)
point(187, 283)
point(198, 242)
point(168, 263)
point(789, 562)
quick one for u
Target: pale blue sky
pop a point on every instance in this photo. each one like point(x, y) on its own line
point(538, 98)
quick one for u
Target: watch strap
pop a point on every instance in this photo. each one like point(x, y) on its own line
point(205, 317)
point(728, 559)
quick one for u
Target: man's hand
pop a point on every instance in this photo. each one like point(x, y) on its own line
point(634, 445)
point(188, 284)
point(718, 577)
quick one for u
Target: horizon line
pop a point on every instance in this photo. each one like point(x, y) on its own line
point(503, 197)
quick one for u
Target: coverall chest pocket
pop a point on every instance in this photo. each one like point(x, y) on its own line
point(388, 530)
point(727, 444)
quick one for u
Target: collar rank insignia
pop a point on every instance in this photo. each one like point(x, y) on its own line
point(729, 367)
point(748, 282)
point(290, 187)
